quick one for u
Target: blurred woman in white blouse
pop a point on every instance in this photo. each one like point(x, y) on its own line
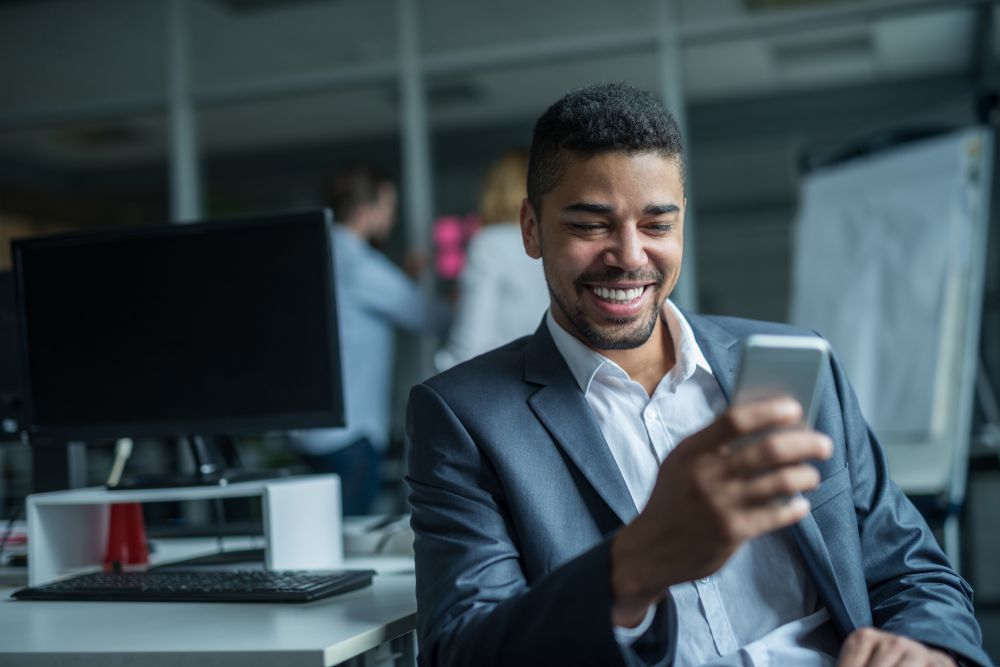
point(502, 292)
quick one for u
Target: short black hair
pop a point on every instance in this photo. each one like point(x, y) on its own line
point(602, 118)
point(353, 186)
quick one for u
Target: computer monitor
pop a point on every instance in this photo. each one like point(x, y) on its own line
point(222, 327)
point(10, 386)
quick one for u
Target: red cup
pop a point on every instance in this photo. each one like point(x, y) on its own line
point(126, 537)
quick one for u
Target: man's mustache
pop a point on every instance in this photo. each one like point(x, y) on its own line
point(617, 275)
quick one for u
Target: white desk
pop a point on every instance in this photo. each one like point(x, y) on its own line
point(164, 634)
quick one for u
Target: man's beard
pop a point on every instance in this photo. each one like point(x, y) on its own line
point(619, 337)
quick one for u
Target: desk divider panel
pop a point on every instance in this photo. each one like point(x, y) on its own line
point(68, 530)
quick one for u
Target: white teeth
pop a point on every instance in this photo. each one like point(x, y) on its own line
point(619, 295)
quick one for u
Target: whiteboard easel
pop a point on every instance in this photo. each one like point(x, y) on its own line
point(889, 265)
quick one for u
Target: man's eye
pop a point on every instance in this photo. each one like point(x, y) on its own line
point(661, 227)
point(586, 226)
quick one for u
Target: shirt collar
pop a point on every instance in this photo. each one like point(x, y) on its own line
point(585, 363)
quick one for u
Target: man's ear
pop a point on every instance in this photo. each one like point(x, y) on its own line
point(530, 232)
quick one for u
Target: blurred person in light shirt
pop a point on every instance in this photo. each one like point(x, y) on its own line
point(375, 300)
point(502, 293)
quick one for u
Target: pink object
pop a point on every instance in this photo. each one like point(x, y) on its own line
point(451, 235)
point(449, 264)
point(448, 230)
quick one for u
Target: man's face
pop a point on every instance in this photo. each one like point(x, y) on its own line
point(610, 235)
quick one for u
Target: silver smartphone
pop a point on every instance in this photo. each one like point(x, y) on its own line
point(774, 366)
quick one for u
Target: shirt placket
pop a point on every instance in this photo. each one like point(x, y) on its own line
point(642, 405)
point(706, 588)
point(715, 615)
point(660, 437)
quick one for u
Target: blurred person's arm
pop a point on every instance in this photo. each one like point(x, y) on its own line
point(385, 289)
point(414, 263)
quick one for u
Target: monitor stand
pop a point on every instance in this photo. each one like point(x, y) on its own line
point(208, 472)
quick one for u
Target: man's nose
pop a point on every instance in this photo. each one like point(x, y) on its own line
point(626, 250)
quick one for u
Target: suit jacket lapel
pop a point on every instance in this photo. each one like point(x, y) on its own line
point(722, 351)
point(563, 410)
point(816, 557)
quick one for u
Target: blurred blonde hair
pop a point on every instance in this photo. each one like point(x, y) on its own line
point(504, 187)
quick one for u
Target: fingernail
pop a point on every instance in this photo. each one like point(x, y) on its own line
point(800, 504)
point(788, 408)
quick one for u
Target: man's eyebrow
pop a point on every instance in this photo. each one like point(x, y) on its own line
point(604, 209)
point(589, 207)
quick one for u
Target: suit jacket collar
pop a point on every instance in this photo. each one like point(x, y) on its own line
point(543, 364)
point(720, 348)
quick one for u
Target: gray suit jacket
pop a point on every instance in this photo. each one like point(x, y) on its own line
point(515, 497)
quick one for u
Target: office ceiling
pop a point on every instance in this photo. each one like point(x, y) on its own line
point(85, 82)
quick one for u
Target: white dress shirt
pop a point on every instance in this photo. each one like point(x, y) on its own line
point(760, 608)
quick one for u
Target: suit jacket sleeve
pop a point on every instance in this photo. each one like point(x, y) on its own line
point(474, 605)
point(912, 589)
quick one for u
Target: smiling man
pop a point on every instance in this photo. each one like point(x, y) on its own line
point(577, 496)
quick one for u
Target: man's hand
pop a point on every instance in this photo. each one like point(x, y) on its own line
point(869, 647)
point(719, 488)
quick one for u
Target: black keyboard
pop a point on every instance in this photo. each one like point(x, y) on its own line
point(201, 586)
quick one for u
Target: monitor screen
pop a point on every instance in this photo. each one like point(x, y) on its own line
point(207, 328)
point(10, 390)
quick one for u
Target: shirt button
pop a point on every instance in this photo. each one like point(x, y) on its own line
point(705, 580)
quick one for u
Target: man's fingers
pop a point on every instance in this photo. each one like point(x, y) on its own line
point(771, 517)
point(779, 448)
point(858, 648)
point(869, 647)
point(786, 481)
point(742, 420)
point(891, 651)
